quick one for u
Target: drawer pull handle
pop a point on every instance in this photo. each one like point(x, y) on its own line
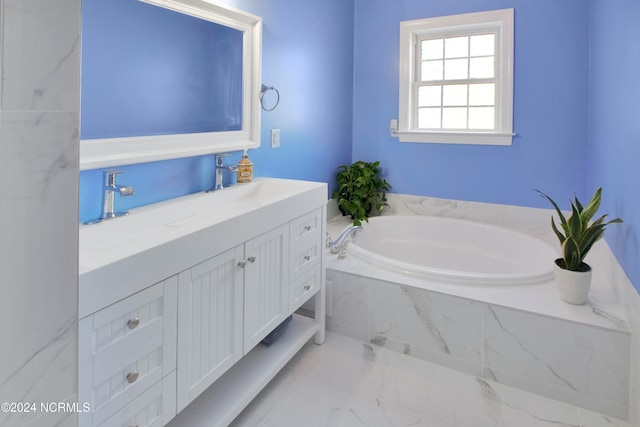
point(307, 228)
point(307, 257)
point(133, 323)
point(307, 287)
point(251, 259)
point(132, 377)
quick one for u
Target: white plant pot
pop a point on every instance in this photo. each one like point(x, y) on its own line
point(573, 286)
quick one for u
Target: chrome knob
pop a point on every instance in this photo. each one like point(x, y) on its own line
point(243, 263)
point(133, 323)
point(307, 228)
point(132, 377)
point(307, 287)
point(307, 257)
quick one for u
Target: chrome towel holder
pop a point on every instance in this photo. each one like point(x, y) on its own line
point(264, 90)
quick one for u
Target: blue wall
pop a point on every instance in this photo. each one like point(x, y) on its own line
point(550, 105)
point(614, 122)
point(576, 94)
point(308, 56)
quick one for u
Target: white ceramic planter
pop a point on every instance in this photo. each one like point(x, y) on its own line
point(573, 286)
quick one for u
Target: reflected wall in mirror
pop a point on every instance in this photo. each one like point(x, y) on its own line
point(157, 72)
point(165, 79)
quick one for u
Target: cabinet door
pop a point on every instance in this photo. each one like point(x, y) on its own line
point(265, 290)
point(210, 297)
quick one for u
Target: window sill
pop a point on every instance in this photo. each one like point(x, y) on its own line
point(475, 138)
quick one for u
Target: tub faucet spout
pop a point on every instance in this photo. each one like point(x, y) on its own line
point(339, 245)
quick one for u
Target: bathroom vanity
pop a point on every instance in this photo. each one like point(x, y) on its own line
point(176, 297)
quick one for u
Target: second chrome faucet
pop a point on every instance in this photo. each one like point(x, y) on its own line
point(221, 167)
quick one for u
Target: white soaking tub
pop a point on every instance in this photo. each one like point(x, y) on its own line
point(453, 250)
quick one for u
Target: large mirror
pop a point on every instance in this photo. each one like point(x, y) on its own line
point(151, 108)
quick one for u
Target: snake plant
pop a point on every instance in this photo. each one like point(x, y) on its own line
point(576, 234)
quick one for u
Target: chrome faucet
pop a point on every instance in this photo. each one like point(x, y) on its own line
point(108, 196)
point(220, 167)
point(339, 246)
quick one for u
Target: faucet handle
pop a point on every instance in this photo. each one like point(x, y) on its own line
point(110, 177)
point(329, 241)
point(220, 159)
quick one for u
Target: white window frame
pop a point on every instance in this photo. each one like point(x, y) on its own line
point(500, 21)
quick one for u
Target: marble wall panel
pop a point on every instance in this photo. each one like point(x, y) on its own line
point(634, 377)
point(41, 55)
point(420, 321)
point(350, 305)
point(586, 364)
point(38, 258)
point(39, 133)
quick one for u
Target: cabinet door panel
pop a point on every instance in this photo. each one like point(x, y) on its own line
point(266, 290)
point(210, 299)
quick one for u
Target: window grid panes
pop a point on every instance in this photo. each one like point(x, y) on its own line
point(457, 82)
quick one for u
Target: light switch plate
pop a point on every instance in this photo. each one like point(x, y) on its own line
point(275, 138)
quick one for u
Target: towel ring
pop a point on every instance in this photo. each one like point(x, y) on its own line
point(264, 90)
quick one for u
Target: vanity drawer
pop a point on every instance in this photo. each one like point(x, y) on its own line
point(153, 408)
point(305, 286)
point(126, 348)
point(304, 258)
point(306, 242)
point(306, 226)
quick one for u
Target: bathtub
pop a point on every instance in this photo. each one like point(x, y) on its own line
point(453, 250)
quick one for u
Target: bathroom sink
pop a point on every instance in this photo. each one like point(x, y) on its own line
point(149, 226)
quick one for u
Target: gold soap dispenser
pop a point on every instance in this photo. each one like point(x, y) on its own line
point(245, 169)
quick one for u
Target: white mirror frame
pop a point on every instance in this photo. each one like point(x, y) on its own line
point(108, 152)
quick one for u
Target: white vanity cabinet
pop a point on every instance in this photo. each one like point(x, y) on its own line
point(126, 349)
point(176, 298)
point(227, 305)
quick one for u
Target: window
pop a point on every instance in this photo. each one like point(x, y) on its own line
point(456, 79)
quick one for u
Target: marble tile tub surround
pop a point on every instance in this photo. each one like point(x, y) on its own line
point(579, 354)
point(633, 305)
point(609, 288)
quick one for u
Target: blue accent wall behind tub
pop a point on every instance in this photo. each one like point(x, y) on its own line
point(614, 123)
point(550, 105)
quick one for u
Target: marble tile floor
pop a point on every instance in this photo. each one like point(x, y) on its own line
point(347, 383)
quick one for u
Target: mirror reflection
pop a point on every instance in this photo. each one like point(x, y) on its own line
point(148, 70)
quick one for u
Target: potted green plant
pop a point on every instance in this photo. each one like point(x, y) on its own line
point(577, 234)
point(361, 190)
